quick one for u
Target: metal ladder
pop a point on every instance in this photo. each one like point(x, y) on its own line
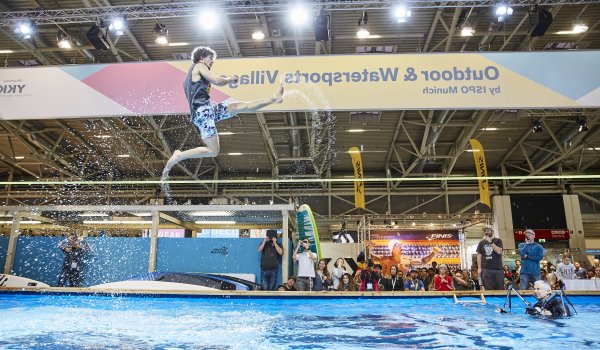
point(481, 300)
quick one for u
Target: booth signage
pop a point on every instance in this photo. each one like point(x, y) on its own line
point(547, 234)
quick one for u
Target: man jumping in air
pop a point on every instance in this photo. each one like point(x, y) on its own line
point(205, 113)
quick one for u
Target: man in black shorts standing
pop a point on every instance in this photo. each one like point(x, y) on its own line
point(489, 261)
point(205, 113)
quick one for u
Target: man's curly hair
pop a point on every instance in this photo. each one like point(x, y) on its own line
point(201, 52)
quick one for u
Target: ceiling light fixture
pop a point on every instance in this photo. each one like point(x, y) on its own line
point(467, 30)
point(211, 213)
point(26, 30)
point(258, 34)
point(503, 11)
point(401, 13)
point(298, 15)
point(161, 32)
point(363, 32)
point(210, 222)
point(63, 40)
point(536, 125)
point(582, 124)
point(118, 26)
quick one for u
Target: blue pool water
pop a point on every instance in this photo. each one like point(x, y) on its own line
point(103, 322)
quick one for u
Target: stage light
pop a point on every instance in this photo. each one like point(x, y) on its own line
point(208, 19)
point(117, 26)
point(161, 32)
point(579, 27)
point(503, 11)
point(299, 15)
point(363, 32)
point(63, 40)
point(582, 124)
point(402, 13)
point(26, 30)
point(536, 125)
point(258, 35)
point(467, 30)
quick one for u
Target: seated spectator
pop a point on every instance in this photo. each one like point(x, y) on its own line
point(413, 283)
point(338, 271)
point(356, 280)
point(289, 285)
point(282, 288)
point(443, 282)
point(591, 274)
point(507, 274)
point(394, 282)
point(460, 283)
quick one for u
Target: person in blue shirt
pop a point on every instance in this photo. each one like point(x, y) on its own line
point(413, 282)
point(531, 255)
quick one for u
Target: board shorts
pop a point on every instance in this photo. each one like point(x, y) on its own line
point(206, 116)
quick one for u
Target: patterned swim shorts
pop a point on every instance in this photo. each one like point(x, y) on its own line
point(206, 116)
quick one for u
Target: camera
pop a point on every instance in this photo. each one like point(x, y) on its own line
point(272, 234)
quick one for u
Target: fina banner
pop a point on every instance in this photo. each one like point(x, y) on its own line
point(408, 248)
point(484, 184)
point(494, 80)
point(359, 184)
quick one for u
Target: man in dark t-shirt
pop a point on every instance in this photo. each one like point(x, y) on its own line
point(269, 260)
point(489, 261)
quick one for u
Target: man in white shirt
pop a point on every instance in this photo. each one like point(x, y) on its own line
point(306, 266)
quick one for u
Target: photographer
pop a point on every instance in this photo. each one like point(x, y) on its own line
point(269, 260)
point(531, 254)
point(74, 251)
point(548, 304)
point(306, 266)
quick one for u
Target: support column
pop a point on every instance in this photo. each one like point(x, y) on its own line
point(286, 252)
point(12, 244)
point(153, 241)
point(575, 225)
point(503, 224)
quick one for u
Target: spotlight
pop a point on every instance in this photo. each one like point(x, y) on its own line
point(26, 30)
point(161, 32)
point(467, 30)
point(503, 11)
point(582, 124)
point(258, 35)
point(402, 13)
point(299, 15)
point(363, 32)
point(117, 26)
point(536, 125)
point(579, 27)
point(63, 40)
point(208, 19)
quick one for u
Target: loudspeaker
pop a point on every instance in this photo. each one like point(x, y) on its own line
point(540, 23)
point(187, 233)
point(97, 38)
point(321, 28)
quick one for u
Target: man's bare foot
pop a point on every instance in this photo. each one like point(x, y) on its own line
point(172, 161)
point(278, 98)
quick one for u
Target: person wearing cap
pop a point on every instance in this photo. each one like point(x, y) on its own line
point(489, 261)
point(413, 283)
point(531, 255)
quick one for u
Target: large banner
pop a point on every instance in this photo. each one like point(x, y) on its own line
point(346, 82)
point(359, 184)
point(481, 167)
point(412, 249)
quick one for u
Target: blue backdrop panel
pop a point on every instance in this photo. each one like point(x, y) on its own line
point(111, 259)
point(225, 255)
point(3, 249)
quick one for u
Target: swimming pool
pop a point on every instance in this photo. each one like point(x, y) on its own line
point(59, 321)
